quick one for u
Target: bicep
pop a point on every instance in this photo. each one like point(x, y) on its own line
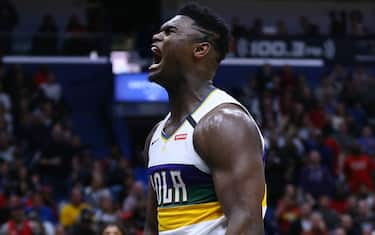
point(151, 226)
point(239, 181)
point(231, 145)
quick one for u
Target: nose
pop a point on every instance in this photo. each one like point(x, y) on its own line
point(157, 37)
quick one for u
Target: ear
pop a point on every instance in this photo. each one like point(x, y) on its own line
point(201, 49)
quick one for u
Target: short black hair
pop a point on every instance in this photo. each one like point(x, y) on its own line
point(114, 224)
point(214, 26)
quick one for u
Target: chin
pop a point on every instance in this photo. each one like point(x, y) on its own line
point(153, 77)
point(156, 77)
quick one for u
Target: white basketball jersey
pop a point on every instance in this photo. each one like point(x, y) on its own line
point(186, 198)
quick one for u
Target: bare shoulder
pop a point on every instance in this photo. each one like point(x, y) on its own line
point(226, 128)
point(227, 118)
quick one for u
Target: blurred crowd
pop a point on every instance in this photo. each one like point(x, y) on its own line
point(50, 183)
point(320, 164)
point(340, 24)
point(77, 38)
point(94, 32)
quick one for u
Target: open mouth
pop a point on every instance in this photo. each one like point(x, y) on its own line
point(156, 57)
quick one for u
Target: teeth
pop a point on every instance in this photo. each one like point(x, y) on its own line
point(156, 58)
point(154, 49)
point(153, 66)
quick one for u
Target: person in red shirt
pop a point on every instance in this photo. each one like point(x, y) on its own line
point(317, 117)
point(18, 224)
point(331, 144)
point(287, 210)
point(357, 169)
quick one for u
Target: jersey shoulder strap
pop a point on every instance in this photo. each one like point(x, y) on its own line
point(214, 99)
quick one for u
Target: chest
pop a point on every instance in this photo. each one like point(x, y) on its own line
point(176, 148)
point(176, 172)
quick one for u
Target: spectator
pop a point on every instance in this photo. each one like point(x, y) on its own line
point(113, 229)
point(318, 226)
point(85, 224)
point(43, 212)
point(41, 75)
point(135, 199)
point(51, 89)
point(356, 26)
point(343, 137)
point(281, 28)
point(75, 42)
point(367, 141)
point(338, 117)
point(60, 230)
point(339, 201)
point(18, 223)
point(45, 40)
point(54, 161)
point(257, 28)
point(40, 227)
point(7, 118)
point(237, 29)
point(303, 223)
point(118, 168)
point(358, 168)
point(5, 100)
point(317, 116)
point(250, 98)
point(96, 190)
point(72, 210)
point(6, 148)
point(287, 211)
point(339, 231)
point(350, 227)
point(8, 21)
point(315, 178)
point(2, 69)
point(275, 175)
point(329, 216)
point(307, 28)
point(337, 25)
point(365, 217)
point(264, 78)
point(357, 113)
point(107, 212)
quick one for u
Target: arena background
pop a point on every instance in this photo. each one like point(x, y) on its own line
point(75, 109)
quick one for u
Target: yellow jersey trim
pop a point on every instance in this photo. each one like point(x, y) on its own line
point(170, 218)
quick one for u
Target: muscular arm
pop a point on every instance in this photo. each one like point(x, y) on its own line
point(228, 140)
point(151, 224)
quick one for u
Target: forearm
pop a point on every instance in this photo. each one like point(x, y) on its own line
point(242, 224)
point(151, 225)
point(149, 231)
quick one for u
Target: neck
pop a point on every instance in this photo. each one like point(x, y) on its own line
point(185, 97)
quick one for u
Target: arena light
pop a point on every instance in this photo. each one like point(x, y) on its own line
point(121, 63)
point(273, 62)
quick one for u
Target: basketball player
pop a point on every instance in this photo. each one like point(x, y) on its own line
point(205, 158)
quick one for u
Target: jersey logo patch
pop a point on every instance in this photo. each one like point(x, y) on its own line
point(180, 137)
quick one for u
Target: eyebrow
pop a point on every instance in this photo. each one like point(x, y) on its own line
point(164, 27)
